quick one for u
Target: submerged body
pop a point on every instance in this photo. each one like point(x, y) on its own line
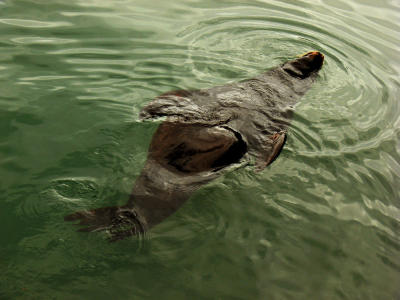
point(204, 132)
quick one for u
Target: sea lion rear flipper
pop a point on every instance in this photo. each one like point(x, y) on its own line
point(278, 141)
point(120, 222)
point(182, 157)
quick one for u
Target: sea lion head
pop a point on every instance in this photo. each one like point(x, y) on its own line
point(305, 66)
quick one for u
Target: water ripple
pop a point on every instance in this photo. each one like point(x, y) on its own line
point(74, 72)
point(33, 23)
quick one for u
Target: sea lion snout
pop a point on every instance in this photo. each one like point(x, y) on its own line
point(305, 65)
point(313, 59)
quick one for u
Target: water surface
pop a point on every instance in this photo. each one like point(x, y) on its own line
point(322, 222)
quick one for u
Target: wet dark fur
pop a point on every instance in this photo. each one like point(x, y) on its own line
point(204, 132)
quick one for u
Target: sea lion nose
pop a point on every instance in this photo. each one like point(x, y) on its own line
point(315, 55)
point(305, 64)
point(313, 59)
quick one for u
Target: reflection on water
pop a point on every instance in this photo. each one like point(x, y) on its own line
point(321, 223)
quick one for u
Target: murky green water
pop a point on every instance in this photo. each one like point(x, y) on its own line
point(322, 222)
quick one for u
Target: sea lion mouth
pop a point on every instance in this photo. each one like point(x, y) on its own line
point(307, 64)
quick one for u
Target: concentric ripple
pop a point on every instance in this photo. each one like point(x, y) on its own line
point(352, 112)
point(320, 223)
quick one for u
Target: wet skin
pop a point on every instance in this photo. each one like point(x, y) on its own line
point(204, 132)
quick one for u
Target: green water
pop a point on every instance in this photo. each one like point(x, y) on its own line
point(322, 222)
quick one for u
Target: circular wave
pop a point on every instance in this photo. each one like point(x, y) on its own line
point(343, 123)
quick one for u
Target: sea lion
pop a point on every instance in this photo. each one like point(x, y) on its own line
point(205, 131)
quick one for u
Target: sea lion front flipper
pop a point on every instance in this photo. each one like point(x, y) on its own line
point(278, 141)
point(181, 106)
point(172, 104)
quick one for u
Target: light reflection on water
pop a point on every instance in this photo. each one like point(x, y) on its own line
point(320, 223)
